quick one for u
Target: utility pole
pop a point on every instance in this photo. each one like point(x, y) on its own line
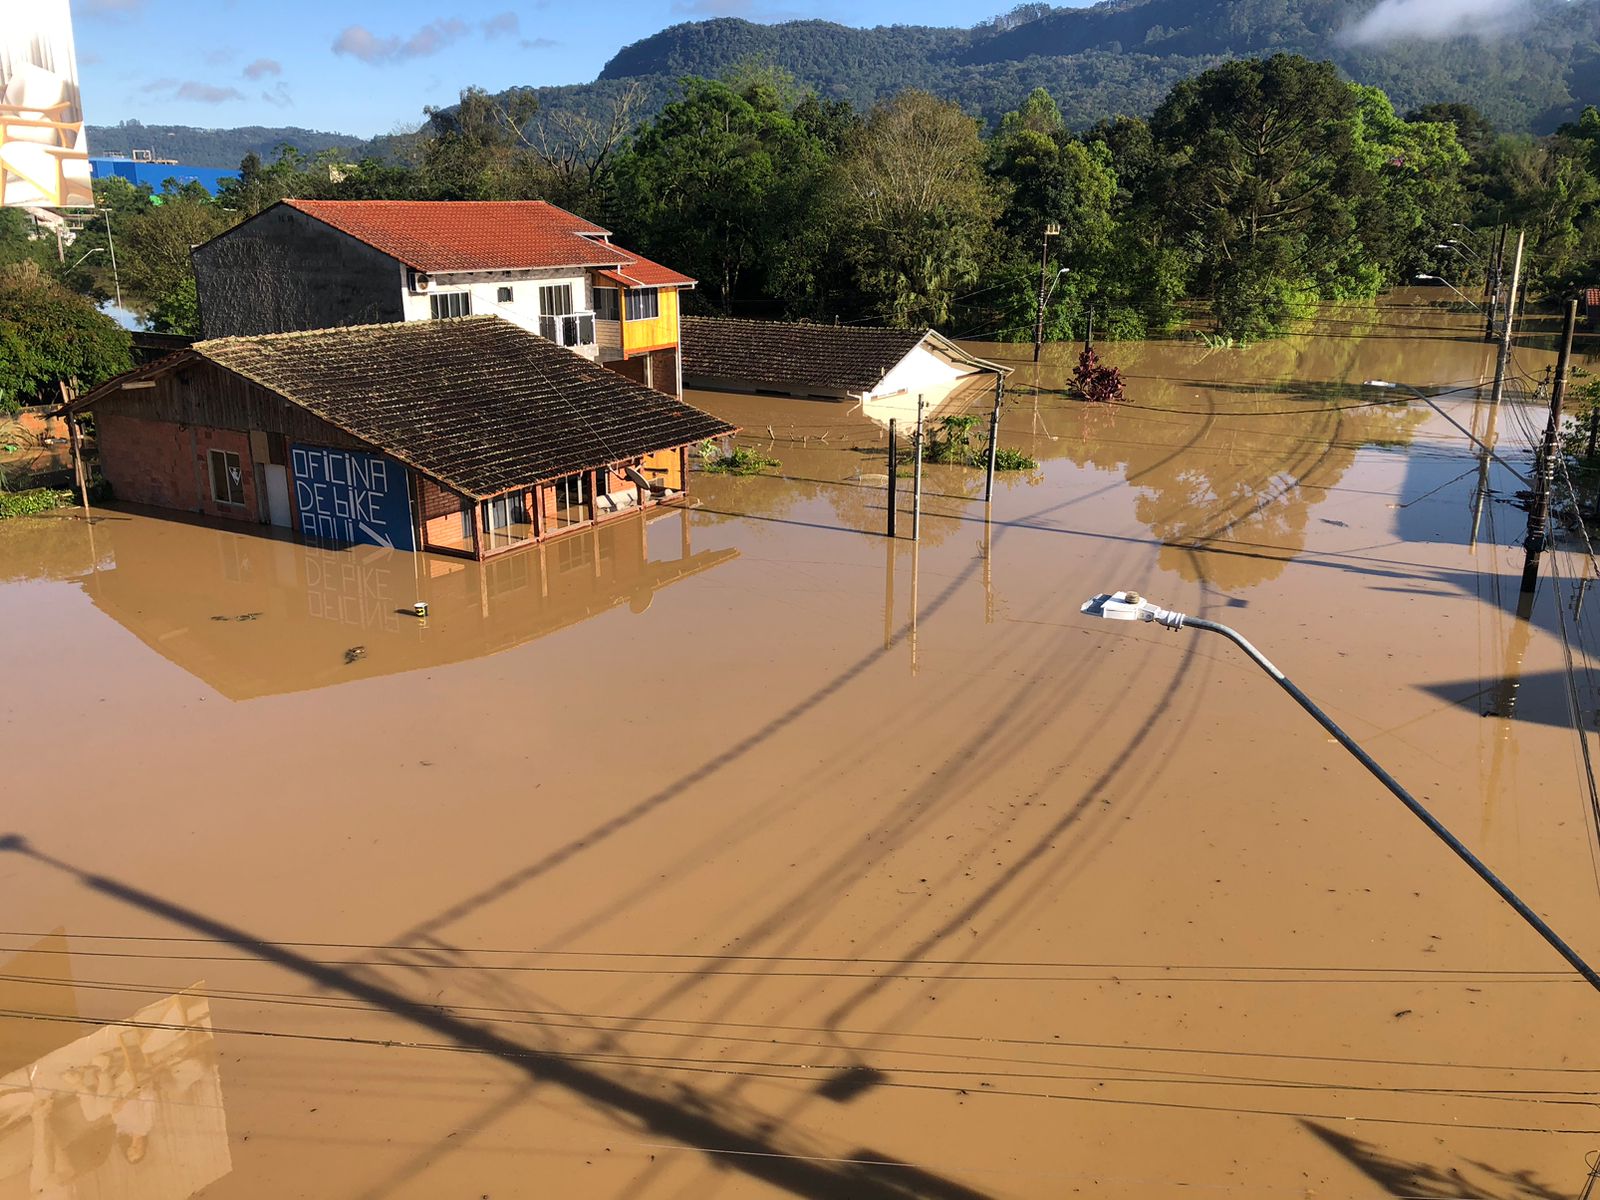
point(994, 439)
point(115, 277)
point(1497, 262)
point(1539, 511)
point(916, 487)
point(1088, 327)
point(894, 469)
point(1051, 230)
point(1504, 358)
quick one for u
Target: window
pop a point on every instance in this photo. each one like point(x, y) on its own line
point(644, 304)
point(450, 304)
point(227, 478)
point(555, 300)
point(607, 305)
point(503, 295)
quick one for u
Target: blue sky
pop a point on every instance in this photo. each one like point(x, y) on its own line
point(367, 68)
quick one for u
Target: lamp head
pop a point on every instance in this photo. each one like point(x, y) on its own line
point(1130, 606)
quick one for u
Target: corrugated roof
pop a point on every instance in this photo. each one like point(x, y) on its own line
point(441, 236)
point(844, 358)
point(478, 403)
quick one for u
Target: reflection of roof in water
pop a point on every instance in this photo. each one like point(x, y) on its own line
point(256, 616)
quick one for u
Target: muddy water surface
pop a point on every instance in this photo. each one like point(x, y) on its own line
point(742, 852)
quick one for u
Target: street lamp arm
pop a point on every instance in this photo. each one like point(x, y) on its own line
point(1128, 606)
point(1387, 386)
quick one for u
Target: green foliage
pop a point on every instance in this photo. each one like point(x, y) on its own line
point(741, 460)
point(31, 502)
point(721, 185)
point(50, 335)
point(949, 442)
point(1009, 458)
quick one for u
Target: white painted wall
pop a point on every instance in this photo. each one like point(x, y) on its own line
point(523, 308)
point(920, 371)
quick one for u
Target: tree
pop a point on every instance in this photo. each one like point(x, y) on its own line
point(154, 253)
point(717, 185)
point(1261, 162)
point(919, 208)
point(50, 335)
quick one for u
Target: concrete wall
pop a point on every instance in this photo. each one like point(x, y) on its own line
point(164, 464)
point(283, 270)
point(484, 288)
point(920, 371)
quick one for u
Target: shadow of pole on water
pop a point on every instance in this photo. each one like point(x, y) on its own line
point(1424, 1181)
point(691, 1119)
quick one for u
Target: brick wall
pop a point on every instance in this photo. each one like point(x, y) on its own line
point(165, 465)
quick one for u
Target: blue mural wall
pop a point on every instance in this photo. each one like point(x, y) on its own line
point(351, 497)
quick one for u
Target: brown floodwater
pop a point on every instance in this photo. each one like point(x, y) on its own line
point(742, 852)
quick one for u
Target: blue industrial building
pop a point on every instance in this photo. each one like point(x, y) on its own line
point(155, 174)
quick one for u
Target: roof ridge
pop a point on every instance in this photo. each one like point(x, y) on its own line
point(293, 334)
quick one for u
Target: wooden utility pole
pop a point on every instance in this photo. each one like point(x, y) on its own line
point(994, 439)
point(894, 470)
point(1539, 510)
point(1504, 358)
point(1497, 262)
point(1051, 230)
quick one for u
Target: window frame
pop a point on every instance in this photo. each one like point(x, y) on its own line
point(635, 299)
point(460, 299)
point(215, 455)
point(608, 304)
point(505, 294)
point(561, 294)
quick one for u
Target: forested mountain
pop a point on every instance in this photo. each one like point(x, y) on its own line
point(1123, 56)
point(216, 147)
point(1118, 57)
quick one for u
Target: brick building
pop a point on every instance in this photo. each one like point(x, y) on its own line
point(467, 436)
point(315, 264)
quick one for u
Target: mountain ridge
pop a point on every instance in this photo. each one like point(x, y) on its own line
point(1117, 57)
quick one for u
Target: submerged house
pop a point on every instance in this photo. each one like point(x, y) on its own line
point(313, 264)
point(826, 362)
point(468, 436)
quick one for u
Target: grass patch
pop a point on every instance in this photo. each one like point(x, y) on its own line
point(32, 501)
point(1009, 458)
point(741, 460)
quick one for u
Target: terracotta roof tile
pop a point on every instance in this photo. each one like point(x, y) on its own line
point(478, 403)
point(440, 236)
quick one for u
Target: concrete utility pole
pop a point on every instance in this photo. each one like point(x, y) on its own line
point(1504, 358)
point(1088, 327)
point(1051, 230)
point(894, 469)
point(1539, 510)
point(994, 439)
point(916, 486)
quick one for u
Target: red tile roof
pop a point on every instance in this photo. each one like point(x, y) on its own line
point(440, 236)
point(641, 272)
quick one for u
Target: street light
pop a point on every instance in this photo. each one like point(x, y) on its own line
point(1386, 385)
point(1461, 248)
point(1060, 275)
point(1130, 606)
point(1451, 286)
point(86, 253)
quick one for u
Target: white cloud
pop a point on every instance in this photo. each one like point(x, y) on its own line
point(263, 66)
point(1434, 20)
point(360, 42)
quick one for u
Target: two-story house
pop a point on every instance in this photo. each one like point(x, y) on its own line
point(318, 264)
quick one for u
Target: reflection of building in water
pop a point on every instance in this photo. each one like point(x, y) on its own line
point(255, 616)
point(132, 1111)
